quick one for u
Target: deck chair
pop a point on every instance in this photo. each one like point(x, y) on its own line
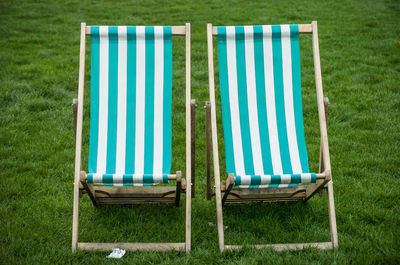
point(130, 124)
point(265, 150)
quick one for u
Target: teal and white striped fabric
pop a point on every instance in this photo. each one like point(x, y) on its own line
point(130, 112)
point(260, 81)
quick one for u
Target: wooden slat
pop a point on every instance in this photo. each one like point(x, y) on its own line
point(88, 188)
point(78, 138)
point(325, 159)
point(217, 179)
point(229, 185)
point(176, 30)
point(321, 157)
point(188, 144)
point(282, 247)
point(332, 215)
point(132, 246)
point(208, 150)
point(178, 188)
point(75, 112)
point(320, 100)
point(303, 28)
point(266, 200)
point(130, 201)
point(269, 192)
point(133, 191)
point(193, 143)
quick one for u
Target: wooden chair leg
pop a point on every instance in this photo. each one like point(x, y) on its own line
point(75, 111)
point(75, 219)
point(90, 191)
point(220, 222)
point(193, 142)
point(332, 215)
point(321, 156)
point(178, 187)
point(208, 149)
point(229, 184)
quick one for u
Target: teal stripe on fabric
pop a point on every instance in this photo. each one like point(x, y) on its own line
point(313, 178)
point(279, 99)
point(243, 104)
point(108, 179)
point(261, 100)
point(167, 103)
point(149, 106)
point(255, 180)
point(127, 179)
point(238, 180)
point(112, 103)
point(89, 178)
point(130, 105)
point(94, 100)
point(275, 179)
point(224, 87)
point(295, 179)
point(297, 101)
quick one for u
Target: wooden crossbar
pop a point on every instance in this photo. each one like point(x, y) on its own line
point(303, 28)
point(132, 246)
point(282, 247)
point(176, 30)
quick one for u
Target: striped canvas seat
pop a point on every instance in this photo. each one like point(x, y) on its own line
point(130, 115)
point(260, 82)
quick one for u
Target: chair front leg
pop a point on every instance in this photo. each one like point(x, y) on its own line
point(75, 111)
point(178, 187)
point(193, 143)
point(321, 157)
point(208, 149)
point(229, 185)
point(88, 188)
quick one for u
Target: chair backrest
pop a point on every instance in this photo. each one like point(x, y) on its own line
point(130, 113)
point(260, 82)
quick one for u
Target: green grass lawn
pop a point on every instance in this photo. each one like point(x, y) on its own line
point(360, 57)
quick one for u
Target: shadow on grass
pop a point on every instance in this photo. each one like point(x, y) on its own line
point(277, 222)
point(135, 223)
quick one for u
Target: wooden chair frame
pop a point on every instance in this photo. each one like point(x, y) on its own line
point(223, 190)
point(133, 194)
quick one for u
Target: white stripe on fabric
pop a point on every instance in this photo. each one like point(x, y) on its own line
point(103, 102)
point(265, 179)
point(140, 99)
point(286, 178)
point(288, 95)
point(158, 103)
point(252, 101)
point(270, 101)
point(306, 178)
point(121, 108)
point(233, 100)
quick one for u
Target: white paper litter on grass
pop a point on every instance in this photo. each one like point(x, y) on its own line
point(117, 253)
